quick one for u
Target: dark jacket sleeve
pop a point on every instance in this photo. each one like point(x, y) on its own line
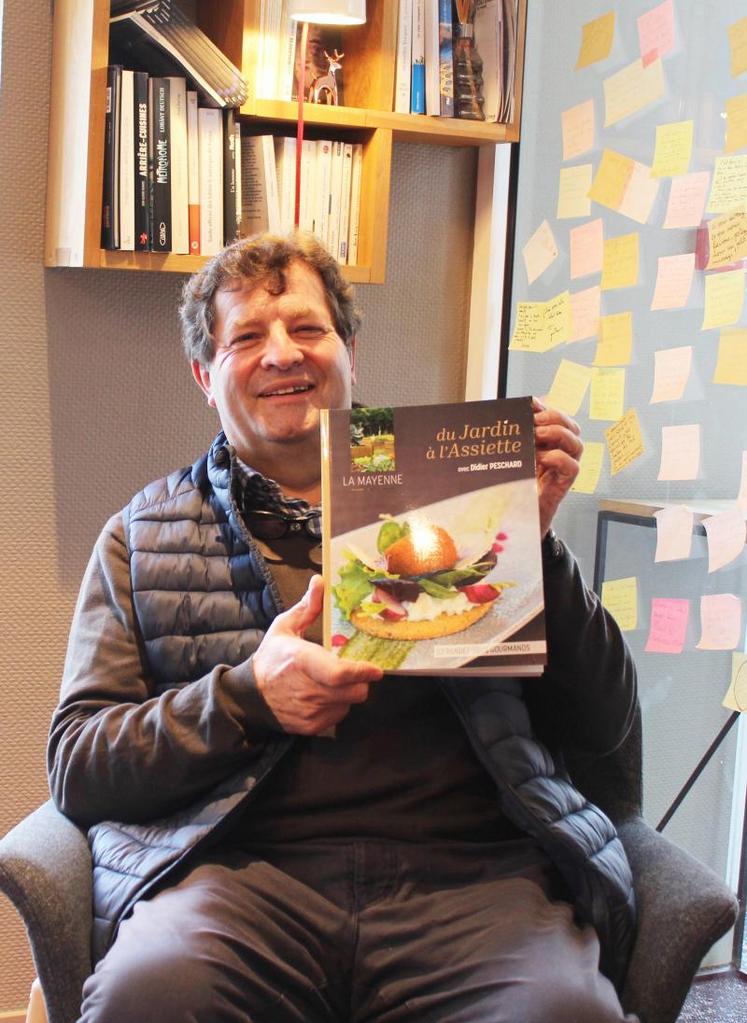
point(117, 750)
point(585, 702)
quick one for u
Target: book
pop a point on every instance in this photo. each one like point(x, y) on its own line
point(347, 170)
point(308, 214)
point(417, 90)
point(110, 200)
point(238, 207)
point(210, 140)
point(446, 58)
point(403, 65)
point(355, 203)
point(335, 196)
point(159, 170)
point(287, 57)
point(230, 156)
point(193, 173)
point(179, 164)
point(142, 187)
point(127, 163)
point(285, 164)
point(431, 538)
point(489, 44)
point(260, 207)
point(322, 186)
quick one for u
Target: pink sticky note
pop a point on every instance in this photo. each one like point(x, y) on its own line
point(587, 248)
point(668, 626)
point(687, 200)
point(720, 621)
point(656, 32)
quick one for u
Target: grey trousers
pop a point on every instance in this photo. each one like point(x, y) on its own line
point(356, 932)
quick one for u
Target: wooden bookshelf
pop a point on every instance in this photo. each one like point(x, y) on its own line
point(77, 111)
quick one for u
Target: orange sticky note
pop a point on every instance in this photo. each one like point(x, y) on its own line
point(578, 129)
point(611, 179)
point(624, 441)
point(668, 626)
point(615, 340)
point(586, 244)
point(738, 47)
point(736, 123)
point(674, 279)
point(731, 364)
point(596, 40)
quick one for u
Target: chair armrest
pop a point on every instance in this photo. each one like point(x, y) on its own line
point(45, 870)
point(683, 908)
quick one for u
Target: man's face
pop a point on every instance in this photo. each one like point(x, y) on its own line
point(277, 361)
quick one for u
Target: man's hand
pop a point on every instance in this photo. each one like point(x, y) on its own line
point(558, 450)
point(308, 689)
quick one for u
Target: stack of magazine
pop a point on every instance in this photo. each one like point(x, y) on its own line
point(158, 38)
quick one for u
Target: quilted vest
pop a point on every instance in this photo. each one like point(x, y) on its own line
point(203, 595)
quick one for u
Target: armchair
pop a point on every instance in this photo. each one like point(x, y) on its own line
point(45, 869)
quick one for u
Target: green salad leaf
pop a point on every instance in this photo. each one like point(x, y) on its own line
point(390, 532)
point(354, 586)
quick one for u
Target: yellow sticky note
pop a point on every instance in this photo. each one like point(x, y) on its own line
point(727, 238)
point(631, 89)
point(736, 123)
point(620, 597)
point(620, 263)
point(720, 621)
point(596, 40)
point(569, 386)
point(573, 191)
point(558, 318)
point(736, 694)
point(624, 441)
point(687, 199)
point(577, 125)
point(738, 47)
point(611, 179)
point(530, 329)
point(680, 452)
point(674, 146)
point(540, 251)
point(731, 365)
point(724, 297)
point(607, 394)
point(615, 340)
point(726, 535)
point(674, 533)
point(585, 306)
point(586, 244)
point(671, 373)
point(729, 187)
point(640, 194)
point(590, 468)
point(674, 278)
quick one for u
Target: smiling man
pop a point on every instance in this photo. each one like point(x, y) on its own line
point(428, 864)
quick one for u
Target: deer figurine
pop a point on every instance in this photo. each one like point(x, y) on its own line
point(326, 85)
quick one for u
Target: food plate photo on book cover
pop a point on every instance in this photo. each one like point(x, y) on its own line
point(433, 589)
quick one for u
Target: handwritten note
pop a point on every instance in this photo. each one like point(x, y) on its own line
point(674, 278)
point(577, 124)
point(724, 298)
point(590, 468)
point(671, 373)
point(687, 199)
point(674, 146)
point(727, 239)
point(731, 364)
point(729, 186)
point(680, 452)
point(620, 262)
point(586, 244)
point(620, 597)
point(558, 318)
point(615, 340)
point(640, 194)
point(720, 621)
point(611, 179)
point(736, 694)
point(624, 441)
point(656, 31)
point(632, 89)
point(540, 326)
point(569, 386)
point(668, 625)
point(674, 533)
point(726, 536)
point(539, 252)
point(573, 191)
point(738, 47)
point(596, 40)
point(736, 123)
point(585, 306)
point(607, 394)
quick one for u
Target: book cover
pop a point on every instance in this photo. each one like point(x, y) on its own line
point(110, 201)
point(126, 163)
point(210, 138)
point(446, 58)
point(431, 538)
point(179, 165)
point(159, 169)
point(193, 173)
point(230, 226)
point(142, 188)
point(417, 98)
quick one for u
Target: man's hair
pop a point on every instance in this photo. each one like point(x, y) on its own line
point(261, 259)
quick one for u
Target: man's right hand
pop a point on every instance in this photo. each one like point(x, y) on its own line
point(308, 689)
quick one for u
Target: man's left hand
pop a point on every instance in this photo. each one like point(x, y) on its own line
point(558, 451)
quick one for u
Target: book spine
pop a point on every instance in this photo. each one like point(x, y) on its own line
point(323, 181)
point(446, 59)
point(403, 66)
point(237, 165)
point(308, 168)
point(417, 103)
point(272, 197)
point(347, 165)
point(179, 165)
point(229, 175)
point(335, 192)
point(286, 173)
point(193, 173)
point(110, 203)
point(355, 203)
point(127, 164)
point(142, 199)
point(210, 130)
point(253, 188)
point(287, 61)
point(488, 26)
point(432, 61)
point(159, 169)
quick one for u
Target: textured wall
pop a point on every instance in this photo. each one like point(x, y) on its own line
point(95, 399)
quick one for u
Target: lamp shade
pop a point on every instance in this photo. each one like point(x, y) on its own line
point(328, 12)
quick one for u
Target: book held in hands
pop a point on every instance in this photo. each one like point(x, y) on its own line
point(431, 538)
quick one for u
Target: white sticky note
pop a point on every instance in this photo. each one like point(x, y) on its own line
point(540, 251)
point(671, 373)
point(674, 278)
point(680, 452)
point(720, 621)
point(674, 533)
point(726, 536)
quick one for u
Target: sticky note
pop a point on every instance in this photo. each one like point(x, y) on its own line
point(624, 441)
point(680, 452)
point(671, 373)
point(631, 89)
point(729, 185)
point(656, 31)
point(668, 625)
point(674, 533)
point(615, 340)
point(736, 123)
point(585, 306)
point(736, 694)
point(590, 468)
point(607, 394)
point(540, 251)
point(674, 146)
point(611, 179)
point(687, 199)
point(724, 298)
point(726, 537)
point(577, 124)
point(620, 597)
point(569, 386)
point(742, 493)
point(620, 262)
point(727, 238)
point(640, 194)
point(596, 40)
point(674, 278)
point(573, 191)
point(731, 364)
point(738, 47)
point(720, 621)
point(586, 243)
point(530, 331)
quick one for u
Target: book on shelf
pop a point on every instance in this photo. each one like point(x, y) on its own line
point(307, 212)
point(403, 65)
point(159, 170)
point(322, 185)
point(488, 26)
point(431, 538)
point(260, 206)
point(179, 164)
point(332, 240)
point(193, 173)
point(285, 164)
point(355, 203)
point(446, 58)
point(230, 157)
point(508, 62)
point(287, 54)
point(127, 163)
point(210, 141)
point(345, 183)
point(159, 38)
point(142, 186)
point(431, 26)
point(417, 98)
point(238, 201)
point(110, 201)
